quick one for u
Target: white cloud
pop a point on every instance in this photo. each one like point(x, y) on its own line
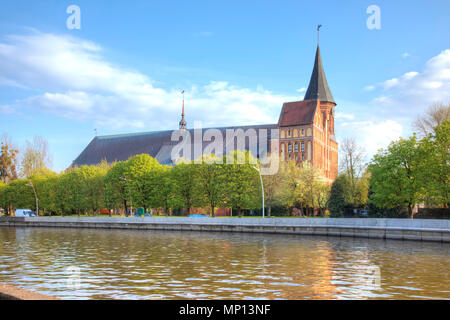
point(301, 90)
point(344, 116)
point(371, 134)
point(6, 109)
point(77, 82)
point(405, 55)
point(411, 93)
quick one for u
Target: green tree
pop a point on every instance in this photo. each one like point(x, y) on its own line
point(3, 202)
point(158, 189)
point(241, 181)
point(210, 182)
point(273, 188)
point(136, 169)
point(339, 196)
point(292, 191)
point(184, 175)
point(45, 183)
point(117, 188)
point(19, 195)
point(311, 187)
point(92, 180)
point(69, 192)
point(395, 176)
point(435, 171)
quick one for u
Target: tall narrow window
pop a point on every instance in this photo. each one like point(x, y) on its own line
point(296, 147)
point(303, 147)
point(290, 147)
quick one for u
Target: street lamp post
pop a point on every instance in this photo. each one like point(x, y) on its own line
point(35, 196)
point(262, 187)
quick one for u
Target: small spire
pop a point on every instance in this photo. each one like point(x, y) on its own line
point(182, 121)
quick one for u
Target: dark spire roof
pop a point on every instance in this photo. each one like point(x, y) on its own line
point(318, 86)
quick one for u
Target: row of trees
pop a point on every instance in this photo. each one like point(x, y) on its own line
point(412, 171)
point(408, 172)
point(142, 182)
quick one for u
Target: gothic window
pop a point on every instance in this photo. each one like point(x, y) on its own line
point(303, 132)
point(296, 157)
point(289, 133)
point(289, 147)
point(296, 147)
point(303, 147)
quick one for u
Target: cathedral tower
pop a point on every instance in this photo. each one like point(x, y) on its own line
point(307, 127)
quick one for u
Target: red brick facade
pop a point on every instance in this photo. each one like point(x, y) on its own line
point(312, 140)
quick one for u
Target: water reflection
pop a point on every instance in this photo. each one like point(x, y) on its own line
point(129, 264)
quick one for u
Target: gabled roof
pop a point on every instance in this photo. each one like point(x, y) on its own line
point(157, 144)
point(297, 113)
point(318, 86)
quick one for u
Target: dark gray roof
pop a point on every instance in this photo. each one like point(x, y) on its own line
point(318, 87)
point(157, 144)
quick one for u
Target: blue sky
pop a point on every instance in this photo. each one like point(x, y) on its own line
point(237, 60)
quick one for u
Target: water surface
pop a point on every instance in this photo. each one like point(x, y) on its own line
point(133, 264)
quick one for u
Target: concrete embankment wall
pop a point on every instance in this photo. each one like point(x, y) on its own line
point(401, 229)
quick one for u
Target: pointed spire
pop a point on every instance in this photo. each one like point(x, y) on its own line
point(318, 87)
point(182, 121)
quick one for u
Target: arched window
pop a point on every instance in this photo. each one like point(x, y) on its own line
point(289, 147)
point(296, 147)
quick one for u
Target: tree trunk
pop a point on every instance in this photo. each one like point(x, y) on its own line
point(212, 210)
point(410, 211)
point(269, 210)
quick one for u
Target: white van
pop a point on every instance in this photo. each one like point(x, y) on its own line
point(24, 213)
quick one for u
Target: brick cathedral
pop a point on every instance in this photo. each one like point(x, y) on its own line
point(306, 133)
point(307, 127)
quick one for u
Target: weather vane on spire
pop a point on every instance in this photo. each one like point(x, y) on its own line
point(318, 32)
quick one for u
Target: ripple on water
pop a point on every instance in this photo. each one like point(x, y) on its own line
point(127, 264)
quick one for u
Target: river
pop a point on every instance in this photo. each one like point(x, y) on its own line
point(132, 264)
